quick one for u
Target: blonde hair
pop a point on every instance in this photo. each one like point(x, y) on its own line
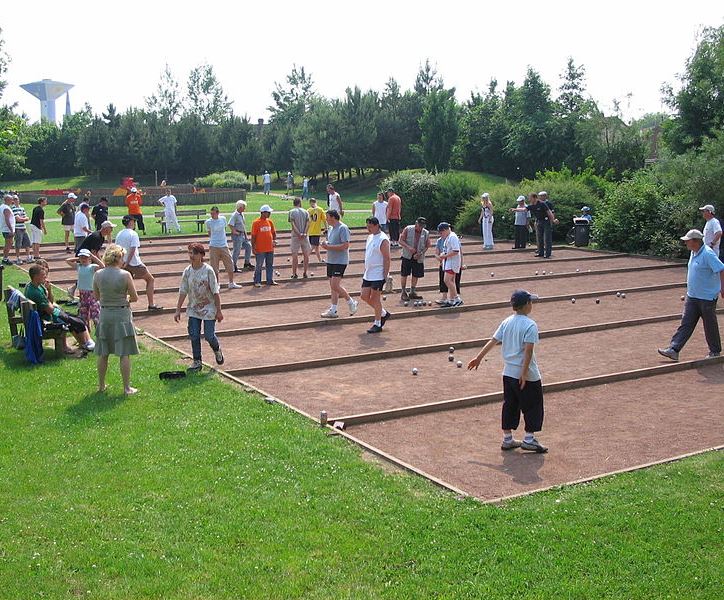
point(240, 203)
point(113, 255)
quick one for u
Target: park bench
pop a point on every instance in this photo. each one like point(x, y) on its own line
point(197, 216)
point(21, 315)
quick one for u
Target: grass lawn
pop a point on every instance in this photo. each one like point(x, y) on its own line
point(196, 489)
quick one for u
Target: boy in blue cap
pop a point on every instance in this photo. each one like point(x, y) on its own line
point(522, 387)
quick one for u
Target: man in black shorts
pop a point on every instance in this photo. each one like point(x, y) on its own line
point(377, 268)
point(415, 240)
point(337, 247)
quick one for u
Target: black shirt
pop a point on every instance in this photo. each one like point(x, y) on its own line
point(100, 214)
point(67, 213)
point(38, 216)
point(93, 242)
point(540, 210)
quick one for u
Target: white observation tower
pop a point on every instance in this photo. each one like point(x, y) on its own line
point(48, 91)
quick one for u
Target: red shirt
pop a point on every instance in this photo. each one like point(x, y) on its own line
point(263, 232)
point(394, 207)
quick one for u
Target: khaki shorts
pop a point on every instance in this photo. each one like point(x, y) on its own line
point(67, 227)
point(223, 255)
point(36, 234)
point(300, 244)
point(137, 272)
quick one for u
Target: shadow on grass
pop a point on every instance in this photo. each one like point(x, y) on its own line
point(95, 403)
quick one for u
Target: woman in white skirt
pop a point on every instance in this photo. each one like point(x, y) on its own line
point(486, 221)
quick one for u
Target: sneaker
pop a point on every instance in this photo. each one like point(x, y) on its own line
point(713, 355)
point(195, 367)
point(404, 296)
point(249, 267)
point(257, 285)
point(294, 276)
point(353, 306)
point(374, 329)
point(89, 346)
point(669, 353)
point(445, 304)
point(68, 250)
point(234, 286)
point(457, 302)
point(6, 261)
point(415, 296)
point(154, 307)
point(511, 445)
point(384, 318)
point(219, 357)
point(329, 314)
point(534, 446)
point(305, 276)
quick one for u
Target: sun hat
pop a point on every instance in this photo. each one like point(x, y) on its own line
point(692, 234)
point(266, 208)
point(521, 297)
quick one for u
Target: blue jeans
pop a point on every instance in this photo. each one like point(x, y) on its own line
point(240, 242)
point(545, 237)
point(194, 330)
point(267, 187)
point(261, 258)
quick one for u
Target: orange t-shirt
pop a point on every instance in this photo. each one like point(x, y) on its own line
point(394, 206)
point(263, 232)
point(134, 202)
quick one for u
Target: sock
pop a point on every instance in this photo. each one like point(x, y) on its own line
point(507, 437)
point(378, 323)
point(350, 301)
point(333, 307)
point(386, 313)
point(528, 437)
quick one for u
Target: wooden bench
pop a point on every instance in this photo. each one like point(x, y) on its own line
point(199, 217)
point(20, 317)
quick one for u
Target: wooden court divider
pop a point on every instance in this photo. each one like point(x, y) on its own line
point(571, 384)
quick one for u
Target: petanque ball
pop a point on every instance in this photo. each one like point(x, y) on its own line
point(573, 300)
point(598, 301)
point(451, 349)
point(460, 364)
point(414, 371)
point(450, 357)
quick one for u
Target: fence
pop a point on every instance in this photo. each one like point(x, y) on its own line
point(150, 198)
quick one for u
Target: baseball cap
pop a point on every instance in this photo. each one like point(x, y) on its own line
point(373, 220)
point(485, 195)
point(521, 199)
point(692, 234)
point(107, 224)
point(84, 252)
point(266, 208)
point(585, 209)
point(133, 190)
point(127, 219)
point(422, 220)
point(521, 297)
point(443, 226)
point(543, 193)
point(83, 206)
point(709, 207)
point(72, 196)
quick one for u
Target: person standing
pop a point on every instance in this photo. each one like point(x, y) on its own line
point(22, 240)
point(240, 238)
point(451, 263)
point(169, 210)
point(134, 202)
point(305, 188)
point(415, 241)
point(704, 284)
point(377, 268)
point(290, 184)
point(337, 247)
point(542, 210)
point(67, 217)
point(85, 265)
point(712, 230)
point(263, 240)
point(394, 214)
point(100, 212)
point(81, 226)
point(522, 386)
point(128, 239)
point(200, 285)
point(317, 224)
point(266, 178)
point(37, 226)
point(115, 333)
point(7, 225)
point(485, 220)
point(379, 211)
point(94, 242)
point(218, 247)
point(334, 200)
point(522, 216)
point(299, 219)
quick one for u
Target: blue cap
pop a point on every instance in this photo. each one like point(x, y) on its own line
point(521, 297)
point(443, 225)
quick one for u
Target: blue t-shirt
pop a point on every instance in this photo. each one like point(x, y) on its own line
point(85, 277)
point(702, 279)
point(339, 234)
point(514, 332)
point(217, 229)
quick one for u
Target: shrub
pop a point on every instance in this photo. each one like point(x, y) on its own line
point(227, 179)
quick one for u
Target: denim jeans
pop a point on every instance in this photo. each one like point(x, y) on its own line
point(545, 237)
point(261, 258)
point(695, 309)
point(194, 330)
point(239, 242)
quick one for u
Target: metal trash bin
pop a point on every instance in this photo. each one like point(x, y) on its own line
point(582, 233)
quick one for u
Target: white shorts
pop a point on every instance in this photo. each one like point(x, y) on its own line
point(36, 235)
point(67, 227)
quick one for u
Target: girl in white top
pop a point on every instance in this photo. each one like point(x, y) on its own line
point(486, 221)
point(379, 210)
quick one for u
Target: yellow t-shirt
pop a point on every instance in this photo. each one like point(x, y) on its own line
point(316, 221)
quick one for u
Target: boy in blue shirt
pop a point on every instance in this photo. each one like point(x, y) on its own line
point(522, 387)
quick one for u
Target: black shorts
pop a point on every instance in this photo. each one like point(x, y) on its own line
point(529, 401)
point(335, 270)
point(377, 284)
point(314, 240)
point(75, 324)
point(412, 267)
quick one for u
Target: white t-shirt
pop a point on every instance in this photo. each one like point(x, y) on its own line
point(169, 203)
point(129, 239)
point(267, 178)
point(217, 229)
point(374, 261)
point(514, 332)
point(334, 202)
point(200, 285)
point(3, 224)
point(380, 211)
point(79, 223)
point(711, 228)
point(452, 263)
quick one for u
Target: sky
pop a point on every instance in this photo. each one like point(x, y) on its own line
point(116, 52)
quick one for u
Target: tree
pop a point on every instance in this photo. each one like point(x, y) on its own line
point(439, 125)
point(168, 100)
point(427, 79)
point(317, 139)
point(205, 96)
point(358, 133)
point(398, 129)
point(94, 148)
point(13, 129)
point(294, 99)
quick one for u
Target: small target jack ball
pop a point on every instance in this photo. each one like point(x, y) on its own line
point(460, 364)
point(578, 270)
point(414, 371)
point(598, 301)
point(492, 274)
point(683, 298)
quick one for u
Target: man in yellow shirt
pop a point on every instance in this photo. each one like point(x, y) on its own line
point(317, 225)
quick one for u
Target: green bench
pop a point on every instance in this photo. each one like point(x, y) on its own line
point(197, 216)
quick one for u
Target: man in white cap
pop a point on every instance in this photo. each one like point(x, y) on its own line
point(266, 178)
point(263, 240)
point(134, 201)
point(704, 284)
point(542, 209)
point(712, 229)
point(67, 217)
point(522, 215)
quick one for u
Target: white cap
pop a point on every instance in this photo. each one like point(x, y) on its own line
point(84, 252)
point(485, 195)
point(543, 193)
point(72, 196)
point(107, 224)
point(521, 198)
point(133, 190)
point(692, 234)
point(708, 207)
point(266, 208)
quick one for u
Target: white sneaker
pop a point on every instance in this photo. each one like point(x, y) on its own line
point(234, 286)
point(89, 345)
point(329, 314)
point(353, 306)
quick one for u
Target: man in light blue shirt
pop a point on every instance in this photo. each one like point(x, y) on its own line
point(704, 283)
point(218, 249)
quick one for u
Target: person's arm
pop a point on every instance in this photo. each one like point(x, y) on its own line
point(403, 241)
point(527, 356)
point(551, 215)
point(717, 237)
point(480, 218)
point(341, 205)
point(274, 232)
point(129, 256)
point(475, 362)
point(179, 305)
point(94, 258)
point(72, 262)
point(294, 227)
point(373, 209)
point(96, 289)
point(385, 250)
point(721, 278)
point(131, 289)
point(8, 221)
point(217, 304)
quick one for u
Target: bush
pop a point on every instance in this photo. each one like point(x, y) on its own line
point(227, 179)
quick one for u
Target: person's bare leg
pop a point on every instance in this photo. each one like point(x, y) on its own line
point(334, 293)
point(305, 261)
point(126, 375)
point(375, 302)
point(148, 278)
point(340, 290)
point(67, 235)
point(102, 365)
point(295, 263)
